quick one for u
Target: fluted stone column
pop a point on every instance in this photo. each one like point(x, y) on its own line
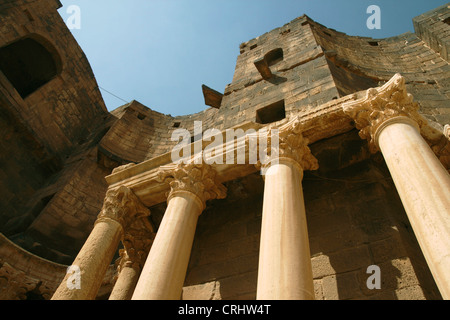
point(137, 242)
point(120, 207)
point(163, 275)
point(285, 271)
point(389, 119)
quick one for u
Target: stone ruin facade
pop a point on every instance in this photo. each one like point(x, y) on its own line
point(360, 178)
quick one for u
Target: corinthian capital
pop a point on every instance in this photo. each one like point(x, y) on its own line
point(123, 206)
point(290, 143)
point(382, 104)
point(199, 179)
point(137, 241)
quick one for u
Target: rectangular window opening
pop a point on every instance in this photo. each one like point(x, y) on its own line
point(271, 113)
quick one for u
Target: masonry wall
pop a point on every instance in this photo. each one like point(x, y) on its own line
point(70, 106)
point(42, 133)
point(359, 63)
point(432, 28)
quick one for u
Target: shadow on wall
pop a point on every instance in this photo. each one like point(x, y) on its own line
point(224, 259)
point(357, 220)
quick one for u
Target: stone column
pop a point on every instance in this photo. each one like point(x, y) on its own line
point(285, 271)
point(137, 242)
point(163, 275)
point(120, 207)
point(389, 119)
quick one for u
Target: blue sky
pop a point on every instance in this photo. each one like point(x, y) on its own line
point(160, 52)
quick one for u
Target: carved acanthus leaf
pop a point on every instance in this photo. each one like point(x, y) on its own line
point(137, 241)
point(123, 206)
point(291, 144)
point(199, 179)
point(389, 101)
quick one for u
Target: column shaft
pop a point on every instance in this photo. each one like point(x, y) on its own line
point(285, 271)
point(163, 275)
point(93, 260)
point(125, 284)
point(423, 185)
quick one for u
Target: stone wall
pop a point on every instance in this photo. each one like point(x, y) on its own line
point(70, 106)
point(359, 63)
point(52, 183)
point(432, 28)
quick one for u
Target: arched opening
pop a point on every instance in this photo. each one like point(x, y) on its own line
point(29, 64)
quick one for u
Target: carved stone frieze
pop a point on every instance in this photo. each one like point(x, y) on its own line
point(382, 104)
